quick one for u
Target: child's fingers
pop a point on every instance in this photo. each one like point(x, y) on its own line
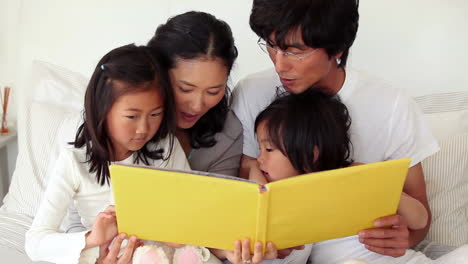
point(256, 175)
point(104, 250)
point(246, 250)
point(115, 247)
point(129, 249)
point(237, 258)
point(258, 253)
point(104, 217)
point(110, 209)
point(272, 252)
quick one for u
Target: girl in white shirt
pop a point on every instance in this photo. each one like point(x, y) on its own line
point(129, 118)
point(308, 132)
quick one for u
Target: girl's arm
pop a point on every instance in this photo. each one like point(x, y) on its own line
point(413, 211)
point(45, 241)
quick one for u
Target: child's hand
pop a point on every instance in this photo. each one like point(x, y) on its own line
point(256, 175)
point(108, 255)
point(241, 253)
point(104, 229)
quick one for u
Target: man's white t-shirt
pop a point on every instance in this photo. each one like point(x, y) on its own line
point(386, 124)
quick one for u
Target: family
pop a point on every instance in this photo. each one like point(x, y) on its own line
point(168, 105)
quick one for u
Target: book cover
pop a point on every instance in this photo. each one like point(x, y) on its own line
point(212, 210)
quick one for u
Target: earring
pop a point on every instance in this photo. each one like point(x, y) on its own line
point(338, 61)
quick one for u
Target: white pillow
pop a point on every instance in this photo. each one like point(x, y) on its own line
point(57, 94)
point(446, 172)
point(58, 86)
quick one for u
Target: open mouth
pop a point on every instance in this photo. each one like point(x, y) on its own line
point(266, 175)
point(286, 81)
point(189, 117)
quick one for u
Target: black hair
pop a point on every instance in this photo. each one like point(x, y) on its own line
point(193, 35)
point(328, 24)
point(297, 124)
point(137, 68)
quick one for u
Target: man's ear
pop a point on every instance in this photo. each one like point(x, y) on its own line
point(338, 56)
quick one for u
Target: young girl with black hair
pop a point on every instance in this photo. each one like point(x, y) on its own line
point(309, 132)
point(128, 118)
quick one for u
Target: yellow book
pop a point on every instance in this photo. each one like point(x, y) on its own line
point(213, 210)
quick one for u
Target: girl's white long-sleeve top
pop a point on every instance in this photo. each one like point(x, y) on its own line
point(71, 181)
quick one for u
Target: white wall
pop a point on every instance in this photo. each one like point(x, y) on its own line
point(76, 34)
point(418, 45)
point(9, 16)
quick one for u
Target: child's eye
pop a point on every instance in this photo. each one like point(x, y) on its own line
point(155, 114)
point(269, 149)
point(130, 117)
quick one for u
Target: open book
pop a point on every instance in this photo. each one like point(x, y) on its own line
point(213, 210)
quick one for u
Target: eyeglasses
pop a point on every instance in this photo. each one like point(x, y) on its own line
point(294, 56)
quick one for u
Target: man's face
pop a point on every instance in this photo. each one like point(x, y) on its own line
point(298, 75)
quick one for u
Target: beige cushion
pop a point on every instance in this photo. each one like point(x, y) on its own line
point(446, 172)
point(446, 175)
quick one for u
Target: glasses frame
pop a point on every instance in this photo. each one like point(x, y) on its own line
point(265, 47)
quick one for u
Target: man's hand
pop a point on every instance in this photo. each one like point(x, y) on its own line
point(393, 241)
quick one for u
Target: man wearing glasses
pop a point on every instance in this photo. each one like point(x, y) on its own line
point(308, 42)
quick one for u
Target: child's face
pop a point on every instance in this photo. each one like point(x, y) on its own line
point(133, 120)
point(273, 164)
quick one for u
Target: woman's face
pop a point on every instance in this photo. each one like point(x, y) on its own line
point(199, 85)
